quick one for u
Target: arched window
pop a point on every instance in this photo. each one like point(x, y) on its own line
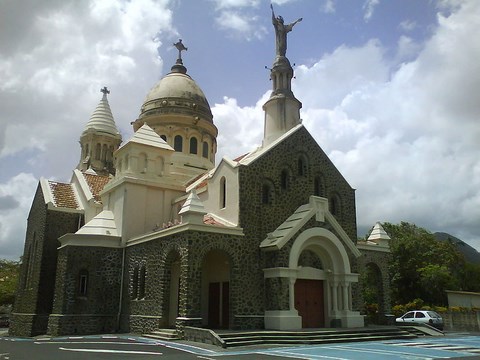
point(135, 283)
point(141, 285)
point(164, 137)
point(284, 179)
point(98, 150)
point(86, 150)
point(82, 282)
point(31, 261)
point(104, 152)
point(178, 143)
point(223, 192)
point(193, 145)
point(126, 163)
point(318, 187)
point(142, 163)
point(335, 205)
point(302, 165)
point(267, 194)
point(205, 150)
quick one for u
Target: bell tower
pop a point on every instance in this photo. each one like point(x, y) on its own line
point(282, 110)
point(99, 139)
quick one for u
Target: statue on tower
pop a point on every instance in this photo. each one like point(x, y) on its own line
point(281, 31)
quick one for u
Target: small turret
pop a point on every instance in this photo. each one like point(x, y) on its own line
point(99, 139)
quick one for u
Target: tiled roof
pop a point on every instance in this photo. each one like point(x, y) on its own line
point(209, 220)
point(190, 182)
point(240, 157)
point(96, 183)
point(63, 195)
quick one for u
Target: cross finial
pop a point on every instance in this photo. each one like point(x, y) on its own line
point(180, 47)
point(105, 91)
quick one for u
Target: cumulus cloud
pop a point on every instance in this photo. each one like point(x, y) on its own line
point(54, 58)
point(16, 196)
point(405, 136)
point(241, 24)
point(369, 8)
point(328, 7)
point(404, 133)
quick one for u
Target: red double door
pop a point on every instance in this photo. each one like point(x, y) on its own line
point(309, 302)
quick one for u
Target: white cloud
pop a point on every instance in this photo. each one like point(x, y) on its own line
point(16, 197)
point(369, 8)
point(328, 7)
point(407, 25)
point(240, 129)
point(57, 56)
point(227, 4)
point(404, 135)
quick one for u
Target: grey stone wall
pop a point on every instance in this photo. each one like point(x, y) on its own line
point(97, 311)
point(191, 248)
point(381, 261)
point(35, 290)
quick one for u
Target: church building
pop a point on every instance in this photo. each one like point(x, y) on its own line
point(151, 233)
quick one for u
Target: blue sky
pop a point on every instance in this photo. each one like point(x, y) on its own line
point(389, 91)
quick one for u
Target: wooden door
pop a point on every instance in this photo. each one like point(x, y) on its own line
point(309, 302)
point(214, 305)
point(219, 305)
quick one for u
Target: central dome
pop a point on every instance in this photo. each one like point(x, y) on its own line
point(177, 92)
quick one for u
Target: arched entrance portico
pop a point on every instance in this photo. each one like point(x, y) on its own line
point(319, 284)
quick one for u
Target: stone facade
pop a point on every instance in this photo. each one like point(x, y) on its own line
point(96, 310)
point(229, 258)
point(37, 275)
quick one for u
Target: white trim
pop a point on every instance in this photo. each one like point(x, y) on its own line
point(83, 185)
point(90, 240)
point(279, 272)
point(182, 228)
point(47, 192)
point(375, 247)
point(343, 235)
point(340, 262)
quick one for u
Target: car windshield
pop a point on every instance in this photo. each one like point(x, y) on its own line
point(433, 314)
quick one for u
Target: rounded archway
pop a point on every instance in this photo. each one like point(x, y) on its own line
point(215, 305)
point(321, 292)
point(172, 285)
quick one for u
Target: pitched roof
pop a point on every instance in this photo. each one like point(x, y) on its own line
point(317, 207)
point(102, 119)
point(63, 195)
point(147, 136)
point(96, 183)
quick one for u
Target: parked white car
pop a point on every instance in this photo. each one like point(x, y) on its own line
point(421, 317)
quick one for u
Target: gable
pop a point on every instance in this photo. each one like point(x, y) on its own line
point(317, 207)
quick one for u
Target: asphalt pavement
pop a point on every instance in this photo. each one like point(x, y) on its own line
point(128, 346)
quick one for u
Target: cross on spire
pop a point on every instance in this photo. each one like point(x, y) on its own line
point(180, 47)
point(105, 91)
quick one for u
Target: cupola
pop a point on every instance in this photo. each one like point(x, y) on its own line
point(177, 109)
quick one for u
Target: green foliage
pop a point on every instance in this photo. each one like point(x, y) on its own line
point(9, 271)
point(422, 267)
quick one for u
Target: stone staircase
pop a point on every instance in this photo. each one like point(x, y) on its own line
point(231, 339)
point(163, 334)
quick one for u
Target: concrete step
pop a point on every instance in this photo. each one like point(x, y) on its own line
point(312, 337)
point(163, 334)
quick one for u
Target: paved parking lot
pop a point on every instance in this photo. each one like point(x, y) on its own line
point(132, 347)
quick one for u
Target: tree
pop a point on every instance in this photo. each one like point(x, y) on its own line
point(9, 271)
point(422, 267)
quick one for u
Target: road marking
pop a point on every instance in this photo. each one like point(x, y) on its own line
point(93, 342)
point(113, 351)
point(300, 356)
